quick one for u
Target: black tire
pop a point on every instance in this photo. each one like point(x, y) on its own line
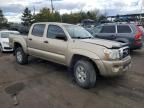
point(1, 50)
point(90, 79)
point(21, 57)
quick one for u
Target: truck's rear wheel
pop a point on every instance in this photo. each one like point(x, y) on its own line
point(21, 57)
point(84, 73)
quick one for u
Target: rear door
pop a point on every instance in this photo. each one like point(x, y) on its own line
point(35, 39)
point(125, 33)
point(107, 32)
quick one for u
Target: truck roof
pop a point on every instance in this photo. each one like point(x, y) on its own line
point(57, 23)
point(117, 24)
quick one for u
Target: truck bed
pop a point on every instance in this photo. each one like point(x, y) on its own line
point(17, 38)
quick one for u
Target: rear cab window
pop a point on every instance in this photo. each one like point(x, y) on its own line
point(108, 29)
point(38, 30)
point(123, 29)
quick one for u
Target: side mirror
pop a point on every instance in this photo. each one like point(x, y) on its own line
point(61, 37)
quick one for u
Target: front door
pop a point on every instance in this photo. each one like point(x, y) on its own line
point(55, 44)
point(107, 32)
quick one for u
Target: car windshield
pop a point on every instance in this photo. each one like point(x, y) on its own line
point(77, 32)
point(6, 34)
point(97, 29)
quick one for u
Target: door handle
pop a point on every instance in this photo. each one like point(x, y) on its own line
point(113, 36)
point(30, 39)
point(45, 41)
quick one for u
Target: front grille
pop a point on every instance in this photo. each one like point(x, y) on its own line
point(7, 48)
point(124, 52)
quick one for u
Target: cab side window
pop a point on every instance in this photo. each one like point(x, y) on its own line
point(108, 29)
point(55, 31)
point(123, 29)
point(38, 30)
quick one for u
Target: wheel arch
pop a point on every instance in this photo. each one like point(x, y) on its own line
point(17, 45)
point(77, 57)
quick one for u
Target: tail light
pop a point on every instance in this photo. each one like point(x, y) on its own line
point(139, 34)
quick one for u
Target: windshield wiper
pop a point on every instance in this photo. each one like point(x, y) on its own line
point(88, 37)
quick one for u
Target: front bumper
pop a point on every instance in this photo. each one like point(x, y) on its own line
point(7, 48)
point(114, 68)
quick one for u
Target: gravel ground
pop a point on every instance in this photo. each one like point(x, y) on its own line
point(49, 85)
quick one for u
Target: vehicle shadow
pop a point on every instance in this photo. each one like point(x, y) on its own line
point(50, 67)
point(55, 66)
point(139, 52)
point(102, 82)
point(5, 53)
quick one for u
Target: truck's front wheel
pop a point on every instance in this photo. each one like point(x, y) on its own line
point(85, 74)
point(21, 57)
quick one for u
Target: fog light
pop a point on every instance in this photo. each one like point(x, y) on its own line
point(116, 68)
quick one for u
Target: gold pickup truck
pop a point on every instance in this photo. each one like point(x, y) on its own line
point(74, 47)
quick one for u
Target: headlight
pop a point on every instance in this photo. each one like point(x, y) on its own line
point(112, 54)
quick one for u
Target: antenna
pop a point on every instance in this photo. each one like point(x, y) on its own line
point(141, 10)
point(52, 6)
point(33, 10)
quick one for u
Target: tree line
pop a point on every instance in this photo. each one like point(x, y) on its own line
point(3, 20)
point(46, 15)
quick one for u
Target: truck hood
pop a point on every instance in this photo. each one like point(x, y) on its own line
point(105, 43)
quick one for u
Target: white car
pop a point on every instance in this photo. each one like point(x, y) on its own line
point(4, 40)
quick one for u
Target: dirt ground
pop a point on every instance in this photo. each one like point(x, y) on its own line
point(48, 85)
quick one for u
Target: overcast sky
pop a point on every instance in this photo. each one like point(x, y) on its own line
point(13, 8)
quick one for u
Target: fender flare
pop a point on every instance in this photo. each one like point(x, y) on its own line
point(81, 52)
point(22, 44)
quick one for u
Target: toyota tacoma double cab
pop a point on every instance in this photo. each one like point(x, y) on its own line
point(74, 47)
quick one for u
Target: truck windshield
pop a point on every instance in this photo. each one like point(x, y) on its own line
point(77, 32)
